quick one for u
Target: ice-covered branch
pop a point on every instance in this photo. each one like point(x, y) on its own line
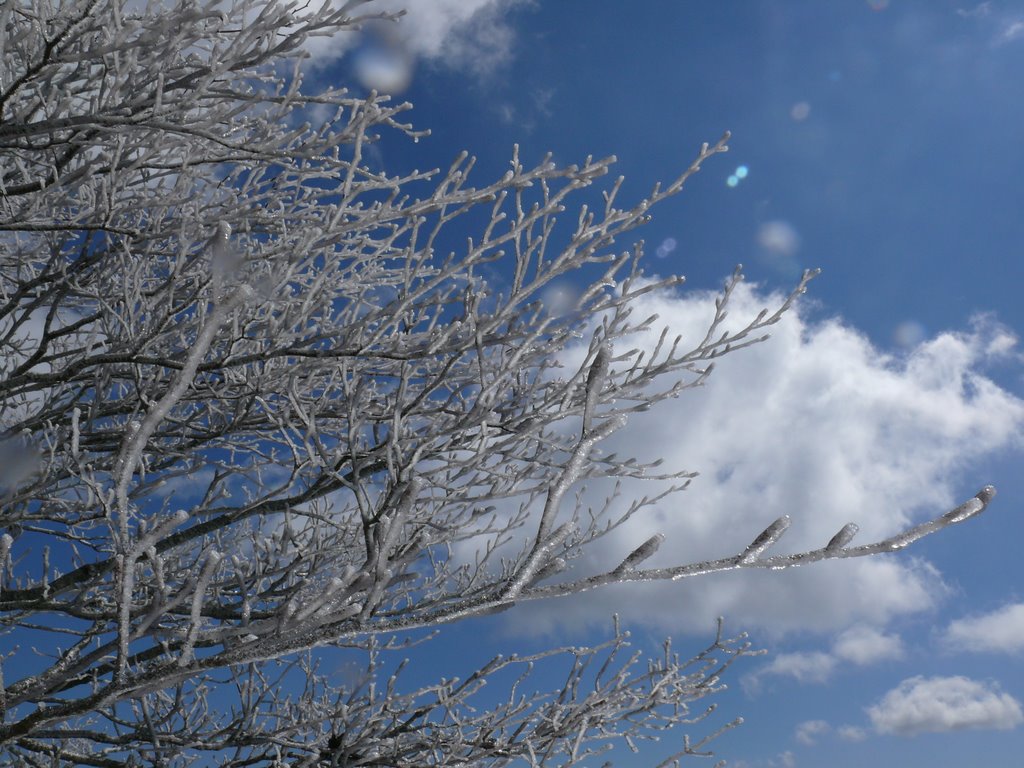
point(752, 557)
point(212, 301)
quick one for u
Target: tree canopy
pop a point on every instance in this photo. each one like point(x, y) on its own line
point(253, 402)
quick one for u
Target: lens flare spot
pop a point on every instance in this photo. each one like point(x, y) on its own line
point(909, 334)
point(667, 246)
point(559, 299)
point(737, 176)
point(383, 68)
point(878, 5)
point(778, 237)
point(800, 111)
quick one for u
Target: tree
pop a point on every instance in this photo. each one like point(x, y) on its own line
point(254, 402)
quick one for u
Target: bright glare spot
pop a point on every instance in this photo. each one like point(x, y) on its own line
point(559, 299)
point(732, 181)
point(383, 68)
point(800, 111)
point(19, 461)
point(778, 237)
point(742, 171)
point(667, 246)
point(909, 334)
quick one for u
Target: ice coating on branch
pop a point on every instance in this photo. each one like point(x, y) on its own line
point(768, 537)
point(596, 377)
point(6, 542)
point(553, 568)
point(224, 261)
point(641, 553)
point(972, 506)
point(843, 537)
point(599, 368)
point(75, 415)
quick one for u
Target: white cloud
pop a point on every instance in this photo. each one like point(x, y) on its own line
point(471, 35)
point(860, 645)
point(936, 704)
point(814, 667)
point(980, 10)
point(20, 336)
point(815, 423)
point(808, 732)
point(851, 733)
point(1002, 26)
point(783, 760)
point(1011, 29)
point(475, 34)
point(865, 645)
point(1002, 631)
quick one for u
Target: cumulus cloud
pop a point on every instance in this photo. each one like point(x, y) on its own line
point(814, 667)
point(865, 645)
point(816, 423)
point(999, 631)
point(473, 34)
point(476, 36)
point(860, 645)
point(936, 704)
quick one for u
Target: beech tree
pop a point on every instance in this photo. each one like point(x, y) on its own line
point(253, 402)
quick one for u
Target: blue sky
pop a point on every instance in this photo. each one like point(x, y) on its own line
point(879, 141)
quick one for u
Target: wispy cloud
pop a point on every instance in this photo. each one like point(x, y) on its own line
point(810, 732)
point(981, 10)
point(783, 760)
point(935, 704)
point(807, 732)
point(860, 645)
point(1000, 25)
point(999, 631)
point(851, 733)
